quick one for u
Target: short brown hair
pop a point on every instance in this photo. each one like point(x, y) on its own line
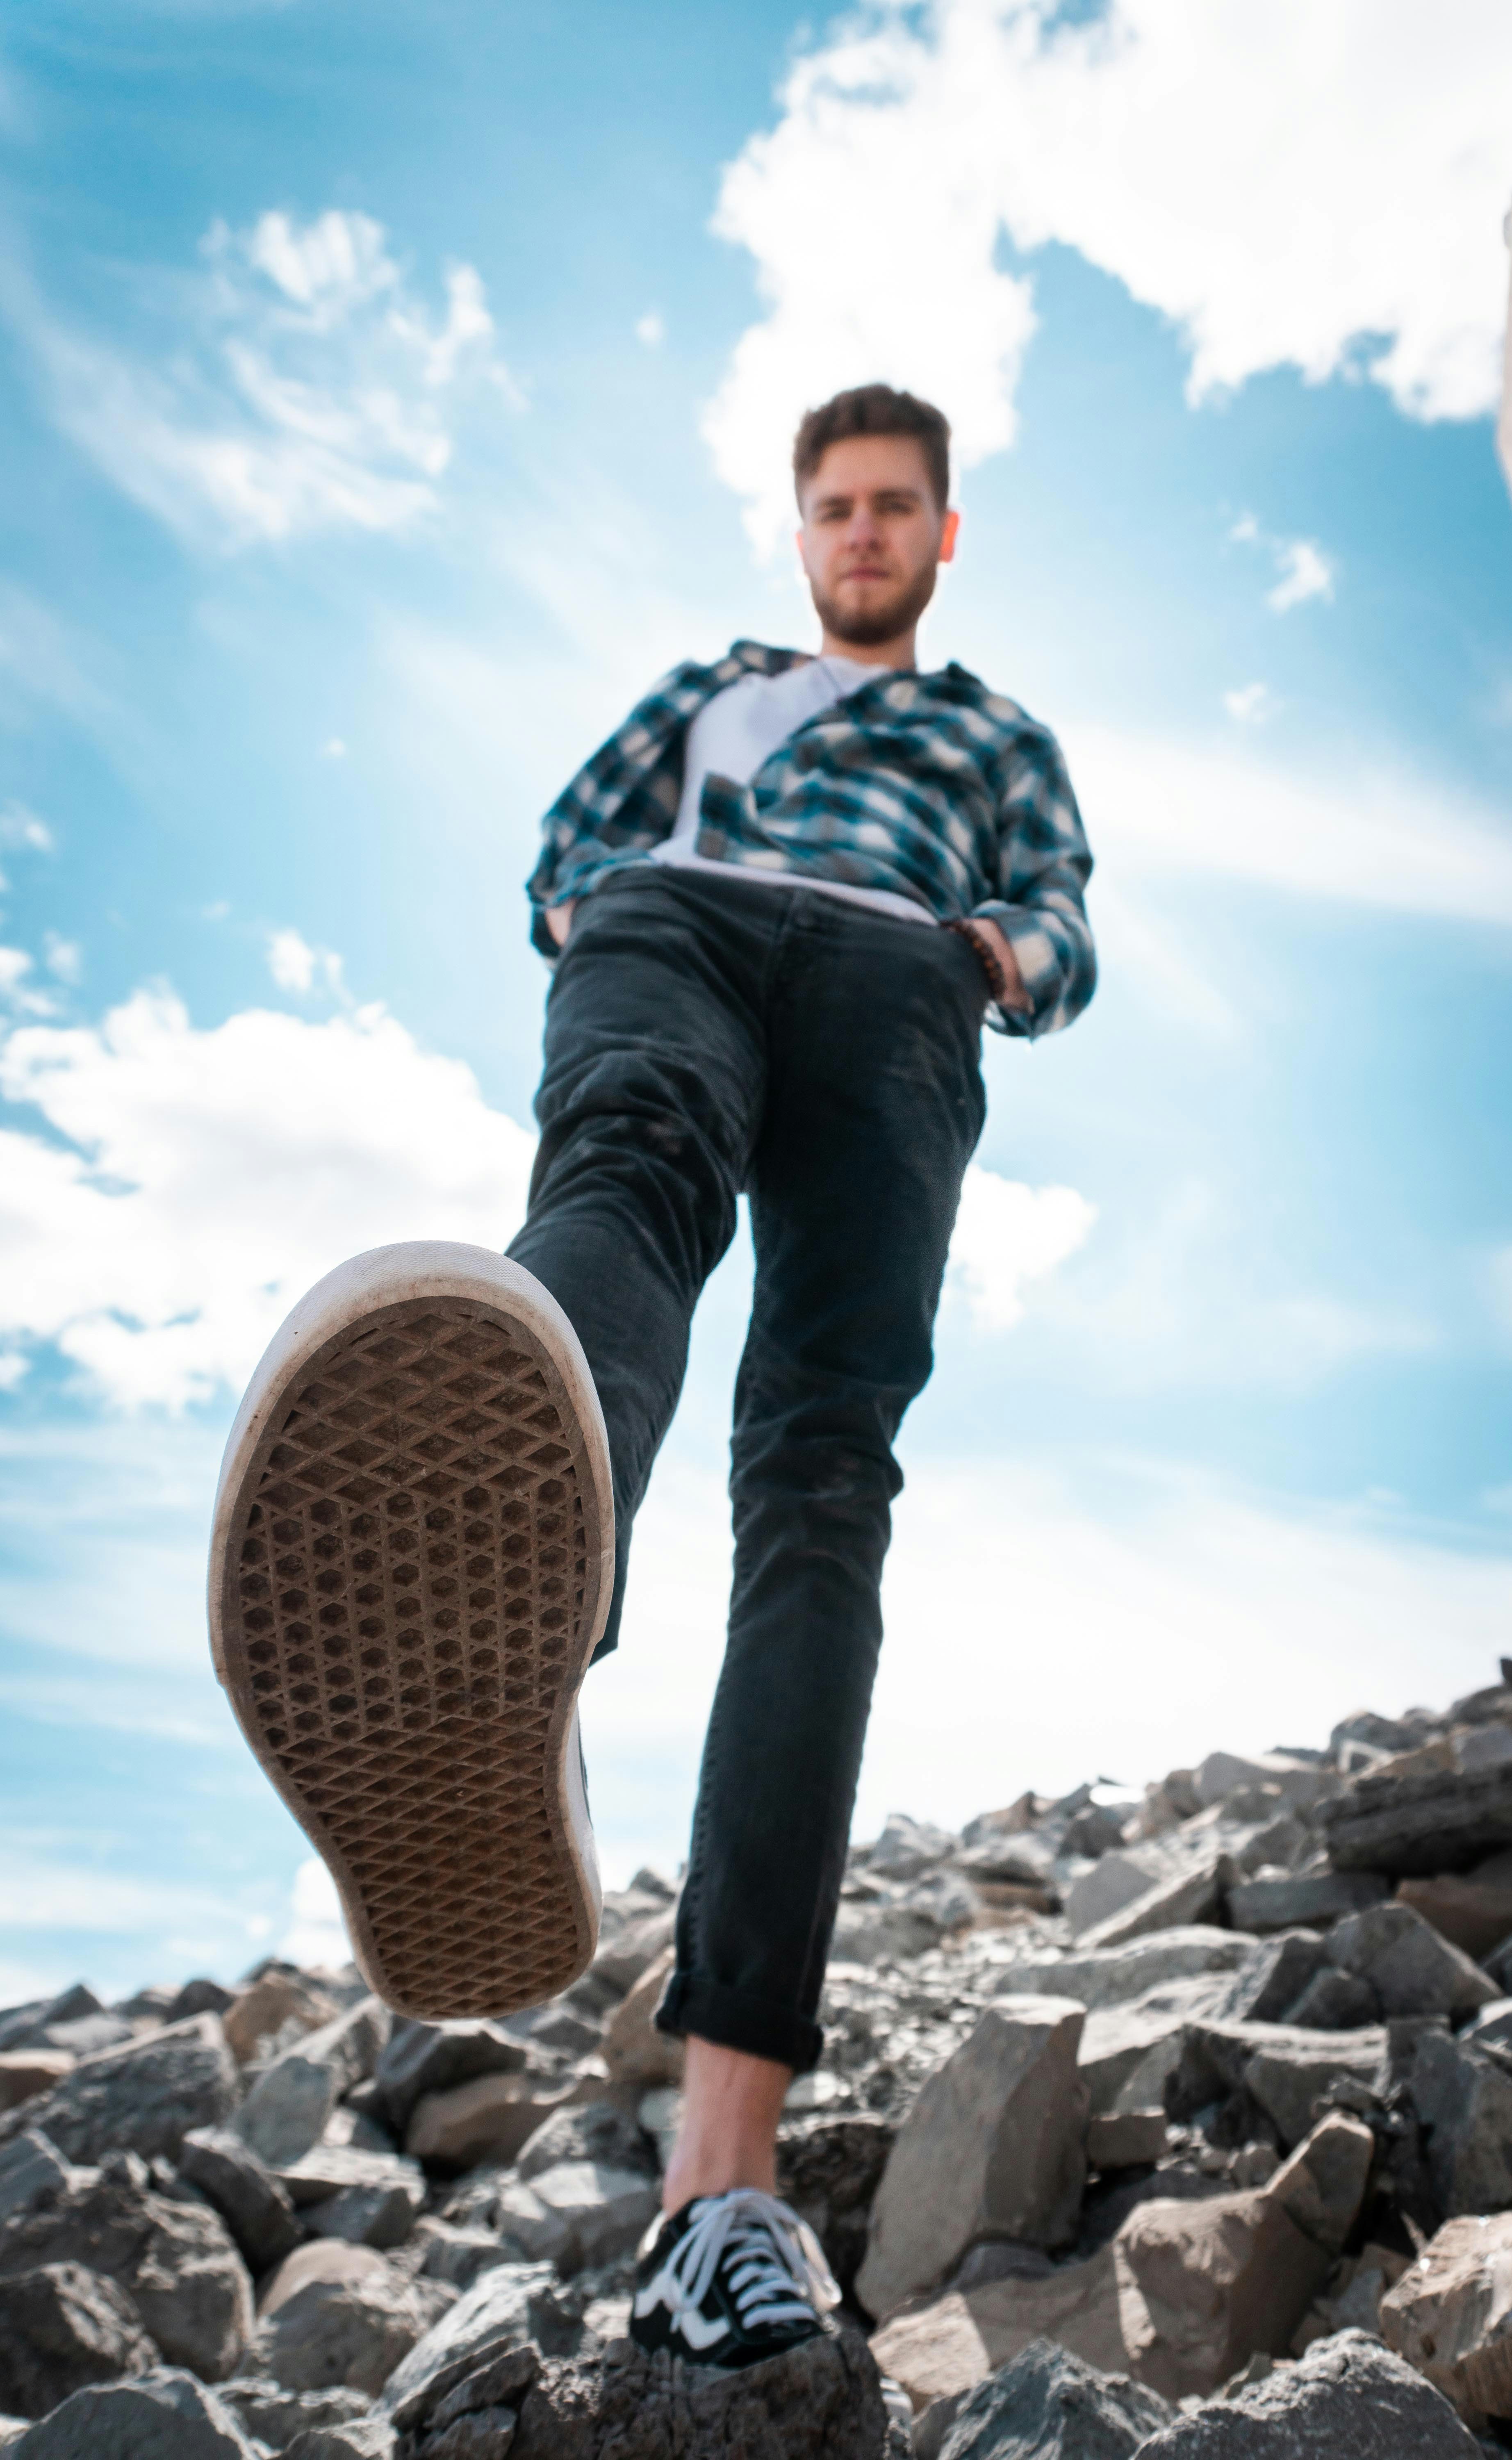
point(874, 410)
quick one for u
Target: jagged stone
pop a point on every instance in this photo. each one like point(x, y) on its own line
point(24, 2074)
point(1048, 2405)
point(818, 2401)
point(1348, 2397)
point(1473, 1912)
point(187, 2281)
point(1182, 2295)
point(1283, 2068)
point(1463, 2096)
point(993, 2147)
point(1108, 1977)
point(1129, 2052)
point(1115, 1881)
point(335, 2314)
point(1266, 1986)
point(577, 2212)
point(503, 2311)
point(1411, 1970)
point(455, 2254)
point(595, 2132)
point(420, 2058)
point(1192, 1895)
point(1415, 1821)
point(1336, 2002)
point(31, 2168)
point(829, 2169)
point(61, 2327)
point(284, 2114)
point(198, 1997)
point(274, 2010)
point(1280, 1899)
point(147, 2094)
point(1301, 1783)
point(275, 2416)
point(1450, 2315)
point(362, 2438)
point(634, 2052)
point(490, 2119)
point(1126, 2141)
point(162, 2416)
point(249, 2199)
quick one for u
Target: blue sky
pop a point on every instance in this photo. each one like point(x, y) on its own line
point(386, 396)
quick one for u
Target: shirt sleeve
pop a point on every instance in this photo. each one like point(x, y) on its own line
point(1044, 865)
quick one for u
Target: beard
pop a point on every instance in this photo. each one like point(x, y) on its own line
point(884, 621)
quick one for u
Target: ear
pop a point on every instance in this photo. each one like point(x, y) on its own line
point(949, 529)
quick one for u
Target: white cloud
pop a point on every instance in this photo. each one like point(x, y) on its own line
point(1252, 704)
point(1319, 188)
point(1373, 837)
point(15, 988)
point(299, 385)
point(64, 957)
point(651, 331)
point(1007, 1234)
point(196, 1182)
point(22, 832)
point(333, 749)
point(1306, 572)
point(317, 1934)
point(296, 967)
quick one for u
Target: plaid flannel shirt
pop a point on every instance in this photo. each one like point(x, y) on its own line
point(930, 786)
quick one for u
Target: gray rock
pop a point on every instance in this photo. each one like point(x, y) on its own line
point(1279, 1900)
point(822, 2401)
point(1267, 1987)
point(1428, 1816)
point(1348, 2397)
point(595, 2132)
point(1491, 2025)
point(883, 1934)
point(266, 2410)
point(364, 2438)
point(200, 1996)
point(458, 2256)
point(1116, 1880)
point(1192, 1895)
point(187, 2279)
point(577, 2212)
point(1128, 2053)
point(1048, 2405)
point(1106, 1977)
point(162, 2416)
point(501, 2312)
point(1127, 2140)
point(61, 2327)
point(249, 2199)
point(381, 2217)
point(1463, 2096)
point(87, 2036)
point(624, 1953)
point(907, 1847)
point(1411, 1969)
point(21, 2029)
point(1286, 2069)
point(419, 2058)
point(829, 2169)
point(29, 2169)
point(284, 2113)
point(148, 2094)
point(335, 2314)
point(993, 2147)
point(1336, 2003)
point(1301, 1783)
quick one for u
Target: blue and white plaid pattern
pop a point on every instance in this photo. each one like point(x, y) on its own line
point(930, 786)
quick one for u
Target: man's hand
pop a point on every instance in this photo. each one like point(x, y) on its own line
point(559, 921)
point(1015, 996)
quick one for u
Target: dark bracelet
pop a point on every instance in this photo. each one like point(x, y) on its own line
point(991, 962)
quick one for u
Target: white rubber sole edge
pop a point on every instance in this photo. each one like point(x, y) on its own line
point(396, 1276)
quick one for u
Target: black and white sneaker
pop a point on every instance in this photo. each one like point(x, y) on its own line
point(730, 2280)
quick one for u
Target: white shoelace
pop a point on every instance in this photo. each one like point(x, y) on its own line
point(777, 2273)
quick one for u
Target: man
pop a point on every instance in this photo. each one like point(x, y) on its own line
point(781, 902)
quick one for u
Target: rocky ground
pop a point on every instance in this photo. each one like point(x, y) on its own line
point(1178, 2126)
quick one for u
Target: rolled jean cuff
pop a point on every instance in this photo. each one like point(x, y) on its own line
point(739, 2021)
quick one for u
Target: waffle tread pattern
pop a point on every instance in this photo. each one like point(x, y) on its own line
point(404, 1609)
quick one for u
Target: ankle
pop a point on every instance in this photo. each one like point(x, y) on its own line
point(732, 2102)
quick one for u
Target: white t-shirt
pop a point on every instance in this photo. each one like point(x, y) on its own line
point(730, 738)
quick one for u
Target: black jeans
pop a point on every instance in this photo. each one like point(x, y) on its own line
point(706, 1036)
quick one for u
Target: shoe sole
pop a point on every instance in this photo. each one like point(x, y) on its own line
point(410, 1566)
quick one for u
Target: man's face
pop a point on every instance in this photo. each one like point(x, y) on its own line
point(872, 539)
